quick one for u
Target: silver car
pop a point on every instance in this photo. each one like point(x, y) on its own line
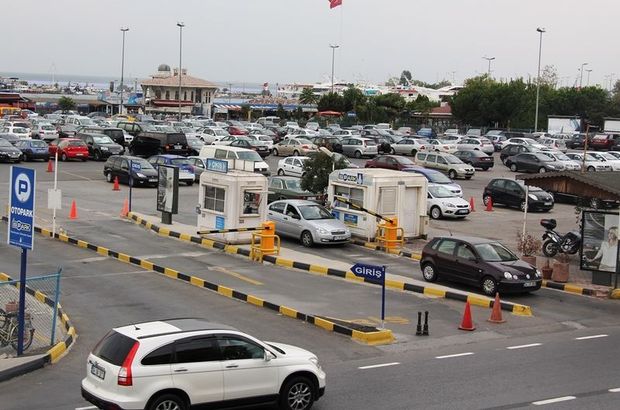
point(359, 147)
point(307, 221)
point(409, 146)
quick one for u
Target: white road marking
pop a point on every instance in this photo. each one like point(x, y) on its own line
point(454, 355)
point(617, 390)
point(374, 366)
point(590, 337)
point(556, 400)
point(85, 408)
point(523, 346)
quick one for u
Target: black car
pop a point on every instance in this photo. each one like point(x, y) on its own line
point(142, 173)
point(533, 162)
point(8, 152)
point(33, 149)
point(512, 193)
point(134, 128)
point(476, 159)
point(116, 134)
point(484, 263)
point(100, 146)
point(577, 141)
point(514, 149)
point(261, 148)
point(150, 143)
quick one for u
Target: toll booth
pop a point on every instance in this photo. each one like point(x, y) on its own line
point(387, 192)
point(231, 199)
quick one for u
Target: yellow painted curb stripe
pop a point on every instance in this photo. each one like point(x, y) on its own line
point(324, 324)
point(174, 274)
point(255, 301)
point(196, 281)
point(318, 269)
point(351, 276)
point(185, 237)
point(102, 251)
point(123, 257)
point(288, 311)
point(521, 310)
point(284, 262)
point(435, 292)
point(573, 289)
point(82, 244)
point(224, 290)
point(478, 301)
point(39, 296)
point(394, 284)
point(71, 332)
point(56, 351)
point(380, 337)
point(146, 264)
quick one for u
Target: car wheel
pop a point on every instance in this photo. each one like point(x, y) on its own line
point(392, 151)
point(452, 174)
point(108, 177)
point(414, 152)
point(503, 160)
point(63, 157)
point(435, 212)
point(358, 154)
point(591, 169)
point(296, 153)
point(522, 206)
point(306, 239)
point(168, 402)
point(97, 155)
point(280, 172)
point(429, 273)
point(489, 286)
point(190, 183)
point(513, 167)
point(486, 199)
point(84, 159)
point(542, 170)
point(275, 153)
point(297, 394)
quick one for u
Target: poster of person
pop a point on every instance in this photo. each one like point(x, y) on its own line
point(168, 189)
point(599, 248)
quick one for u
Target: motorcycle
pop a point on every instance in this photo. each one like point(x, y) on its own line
point(555, 243)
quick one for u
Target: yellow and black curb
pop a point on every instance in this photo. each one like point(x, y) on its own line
point(371, 336)
point(567, 287)
point(56, 351)
point(376, 247)
point(513, 308)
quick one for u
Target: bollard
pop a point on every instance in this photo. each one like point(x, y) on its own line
point(267, 241)
point(425, 330)
point(391, 234)
point(418, 331)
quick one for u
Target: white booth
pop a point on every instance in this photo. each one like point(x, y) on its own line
point(387, 192)
point(231, 199)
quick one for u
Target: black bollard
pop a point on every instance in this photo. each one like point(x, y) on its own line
point(418, 331)
point(425, 331)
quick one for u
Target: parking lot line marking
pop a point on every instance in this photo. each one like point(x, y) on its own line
point(76, 175)
point(616, 390)
point(448, 356)
point(374, 366)
point(237, 275)
point(555, 400)
point(524, 346)
point(590, 337)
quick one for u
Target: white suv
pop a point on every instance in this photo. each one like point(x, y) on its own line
point(177, 363)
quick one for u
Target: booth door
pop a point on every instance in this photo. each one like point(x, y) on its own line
point(409, 215)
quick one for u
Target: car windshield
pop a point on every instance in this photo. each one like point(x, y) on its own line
point(293, 184)
point(5, 143)
point(561, 157)
point(48, 127)
point(314, 212)
point(438, 178)
point(144, 164)
point(452, 159)
point(249, 156)
point(495, 252)
point(608, 156)
point(304, 141)
point(20, 130)
point(440, 192)
point(493, 132)
point(180, 161)
point(103, 140)
point(404, 161)
point(38, 144)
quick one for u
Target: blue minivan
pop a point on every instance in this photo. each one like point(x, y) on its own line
point(33, 149)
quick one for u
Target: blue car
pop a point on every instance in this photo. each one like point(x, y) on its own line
point(186, 166)
point(33, 149)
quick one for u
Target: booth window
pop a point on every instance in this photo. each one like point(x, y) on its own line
point(214, 198)
point(251, 202)
point(355, 195)
point(388, 201)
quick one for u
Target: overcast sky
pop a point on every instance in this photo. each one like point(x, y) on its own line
point(288, 40)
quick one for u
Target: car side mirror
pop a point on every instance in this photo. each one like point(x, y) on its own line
point(268, 356)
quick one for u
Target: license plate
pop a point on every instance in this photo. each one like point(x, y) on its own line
point(152, 180)
point(462, 212)
point(177, 146)
point(529, 284)
point(548, 203)
point(79, 155)
point(339, 238)
point(97, 371)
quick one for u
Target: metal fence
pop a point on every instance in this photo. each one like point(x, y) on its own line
point(42, 327)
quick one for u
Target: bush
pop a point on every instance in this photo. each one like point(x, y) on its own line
point(528, 245)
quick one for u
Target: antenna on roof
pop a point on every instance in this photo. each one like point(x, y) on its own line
point(136, 327)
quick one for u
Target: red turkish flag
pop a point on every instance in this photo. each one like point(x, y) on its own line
point(334, 3)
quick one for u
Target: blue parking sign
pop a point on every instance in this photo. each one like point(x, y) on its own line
point(21, 207)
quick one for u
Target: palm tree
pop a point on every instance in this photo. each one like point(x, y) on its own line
point(307, 96)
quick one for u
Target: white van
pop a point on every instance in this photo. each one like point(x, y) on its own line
point(238, 158)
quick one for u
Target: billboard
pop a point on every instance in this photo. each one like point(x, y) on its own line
point(599, 247)
point(563, 125)
point(168, 189)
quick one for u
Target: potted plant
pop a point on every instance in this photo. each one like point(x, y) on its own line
point(560, 268)
point(547, 270)
point(528, 245)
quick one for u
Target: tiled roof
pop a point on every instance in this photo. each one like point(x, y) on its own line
point(605, 181)
point(187, 81)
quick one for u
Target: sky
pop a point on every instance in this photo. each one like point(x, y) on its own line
point(286, 41)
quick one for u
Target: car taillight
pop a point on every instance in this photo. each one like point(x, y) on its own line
point(305, 146)
point(124, 374)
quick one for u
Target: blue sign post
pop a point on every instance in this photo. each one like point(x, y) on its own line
point(376, 274)
point(21, 232)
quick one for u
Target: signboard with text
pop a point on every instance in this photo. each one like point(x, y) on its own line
point(21, 207)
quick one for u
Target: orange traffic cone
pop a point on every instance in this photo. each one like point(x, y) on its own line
point(125, 210)
point(73, 214)
point(116, 185)
point(50, 166)
point(471, 204)
point(496, 313)
point(467, 323)
point(489, 205)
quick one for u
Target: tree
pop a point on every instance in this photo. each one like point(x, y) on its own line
point(405, 77)
point(549, 76)
point(307, 96)
point(281, 112)
point(316, 172)
point(66, 103)
point(353, 98)
point(331, 102)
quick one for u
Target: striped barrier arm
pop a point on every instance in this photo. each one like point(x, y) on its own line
point(213, 231)
point(361, 208)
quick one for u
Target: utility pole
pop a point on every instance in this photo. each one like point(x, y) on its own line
point(124, 30)
point(581, 74)
point(588, 82)
point(180, 25)
point(489, 59)
point(541, 31)
point(333, 47)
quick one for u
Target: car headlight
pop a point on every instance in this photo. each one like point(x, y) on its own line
point(509, 275)
point(538, 274)
point(104, 148)
point(315, 361)
point(449, 205)
point(532, 197)
point(140, 175)
point(323, 231)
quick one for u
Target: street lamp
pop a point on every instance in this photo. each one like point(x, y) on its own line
point(588, 82)
point(124, 30)
point(333, 47)
point(581, 74)
point(180, 25)
point(541, 31)
point(489, 59)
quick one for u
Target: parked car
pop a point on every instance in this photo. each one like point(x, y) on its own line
point(100, 146)
point(515, 149)
point(359, 147)
point(195, 144)
point(12, 138)
point(478, 144)
point(292, 166)
point(608, 158)
point(396, 162)
point(346, 133)
point(294, 146)
point(560, 157)
point(283, 187)
point(441, 202)
point(226, 140)
point(447, 163)
point(199, 165)
point(71, 123)
point(512, 193)
point(591, 163)
point(480, 262)
point(186, 167)
point(439, 146)
point(427, 133)
point(234, 154)
point(33, 149)
point(604, 141)
point(331, 143)
point(237, 130)
point(476, 158)
point(44, 131)
point(578, 141)
point(181, 363)
point(116, 134)
point(68, 148)
point(409, 146)
point(533, 162)
point(150, 143)
point(19, 132)
point(498, 141)
point(119, 166)
point(8, 152)
point(211, 134)
point(436, 177)
point(135, 128)
point(255, 145)
point(555, 144)
point(307, 221)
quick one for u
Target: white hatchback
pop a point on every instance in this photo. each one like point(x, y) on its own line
point(182, 363)
point(441, 202)
point(293, 166)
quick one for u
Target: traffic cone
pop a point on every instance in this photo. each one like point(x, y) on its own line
point(467, 323)
point(50, 166)
point(125, 210)
point(471, 204)
point(116, 185)
point(73, 214)
point(489, 205)
point(496, 313)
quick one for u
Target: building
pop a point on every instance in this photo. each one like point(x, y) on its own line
point(161, 93)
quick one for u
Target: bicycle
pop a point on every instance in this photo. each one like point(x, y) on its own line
point(9, 330)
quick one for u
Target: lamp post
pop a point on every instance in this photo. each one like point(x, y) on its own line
point(588, 81)
point(180, 25)
point(541, 31)
point(581, 74)
point(124, 30)
point(333, 47)
point(489, 59)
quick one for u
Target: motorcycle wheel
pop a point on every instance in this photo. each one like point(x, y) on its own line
point(550, 249)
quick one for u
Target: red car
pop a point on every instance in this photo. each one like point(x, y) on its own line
point(397, 162)
point(69, 148)
point(604, 141)
point(234, 130)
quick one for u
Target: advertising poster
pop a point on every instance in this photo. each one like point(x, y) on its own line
point(168, 189)
point(599, 249)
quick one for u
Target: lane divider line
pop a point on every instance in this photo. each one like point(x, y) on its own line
point(514, 308)
point(523, 346)
point(376, 366)
point(449, 356)
point(555, 400)
point(590, 337)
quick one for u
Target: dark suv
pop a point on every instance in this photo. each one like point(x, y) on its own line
point(115, 134)
point(512, 193)
point(119, 166)
point(100, 146)
point(134, 128)
point(147, 144)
